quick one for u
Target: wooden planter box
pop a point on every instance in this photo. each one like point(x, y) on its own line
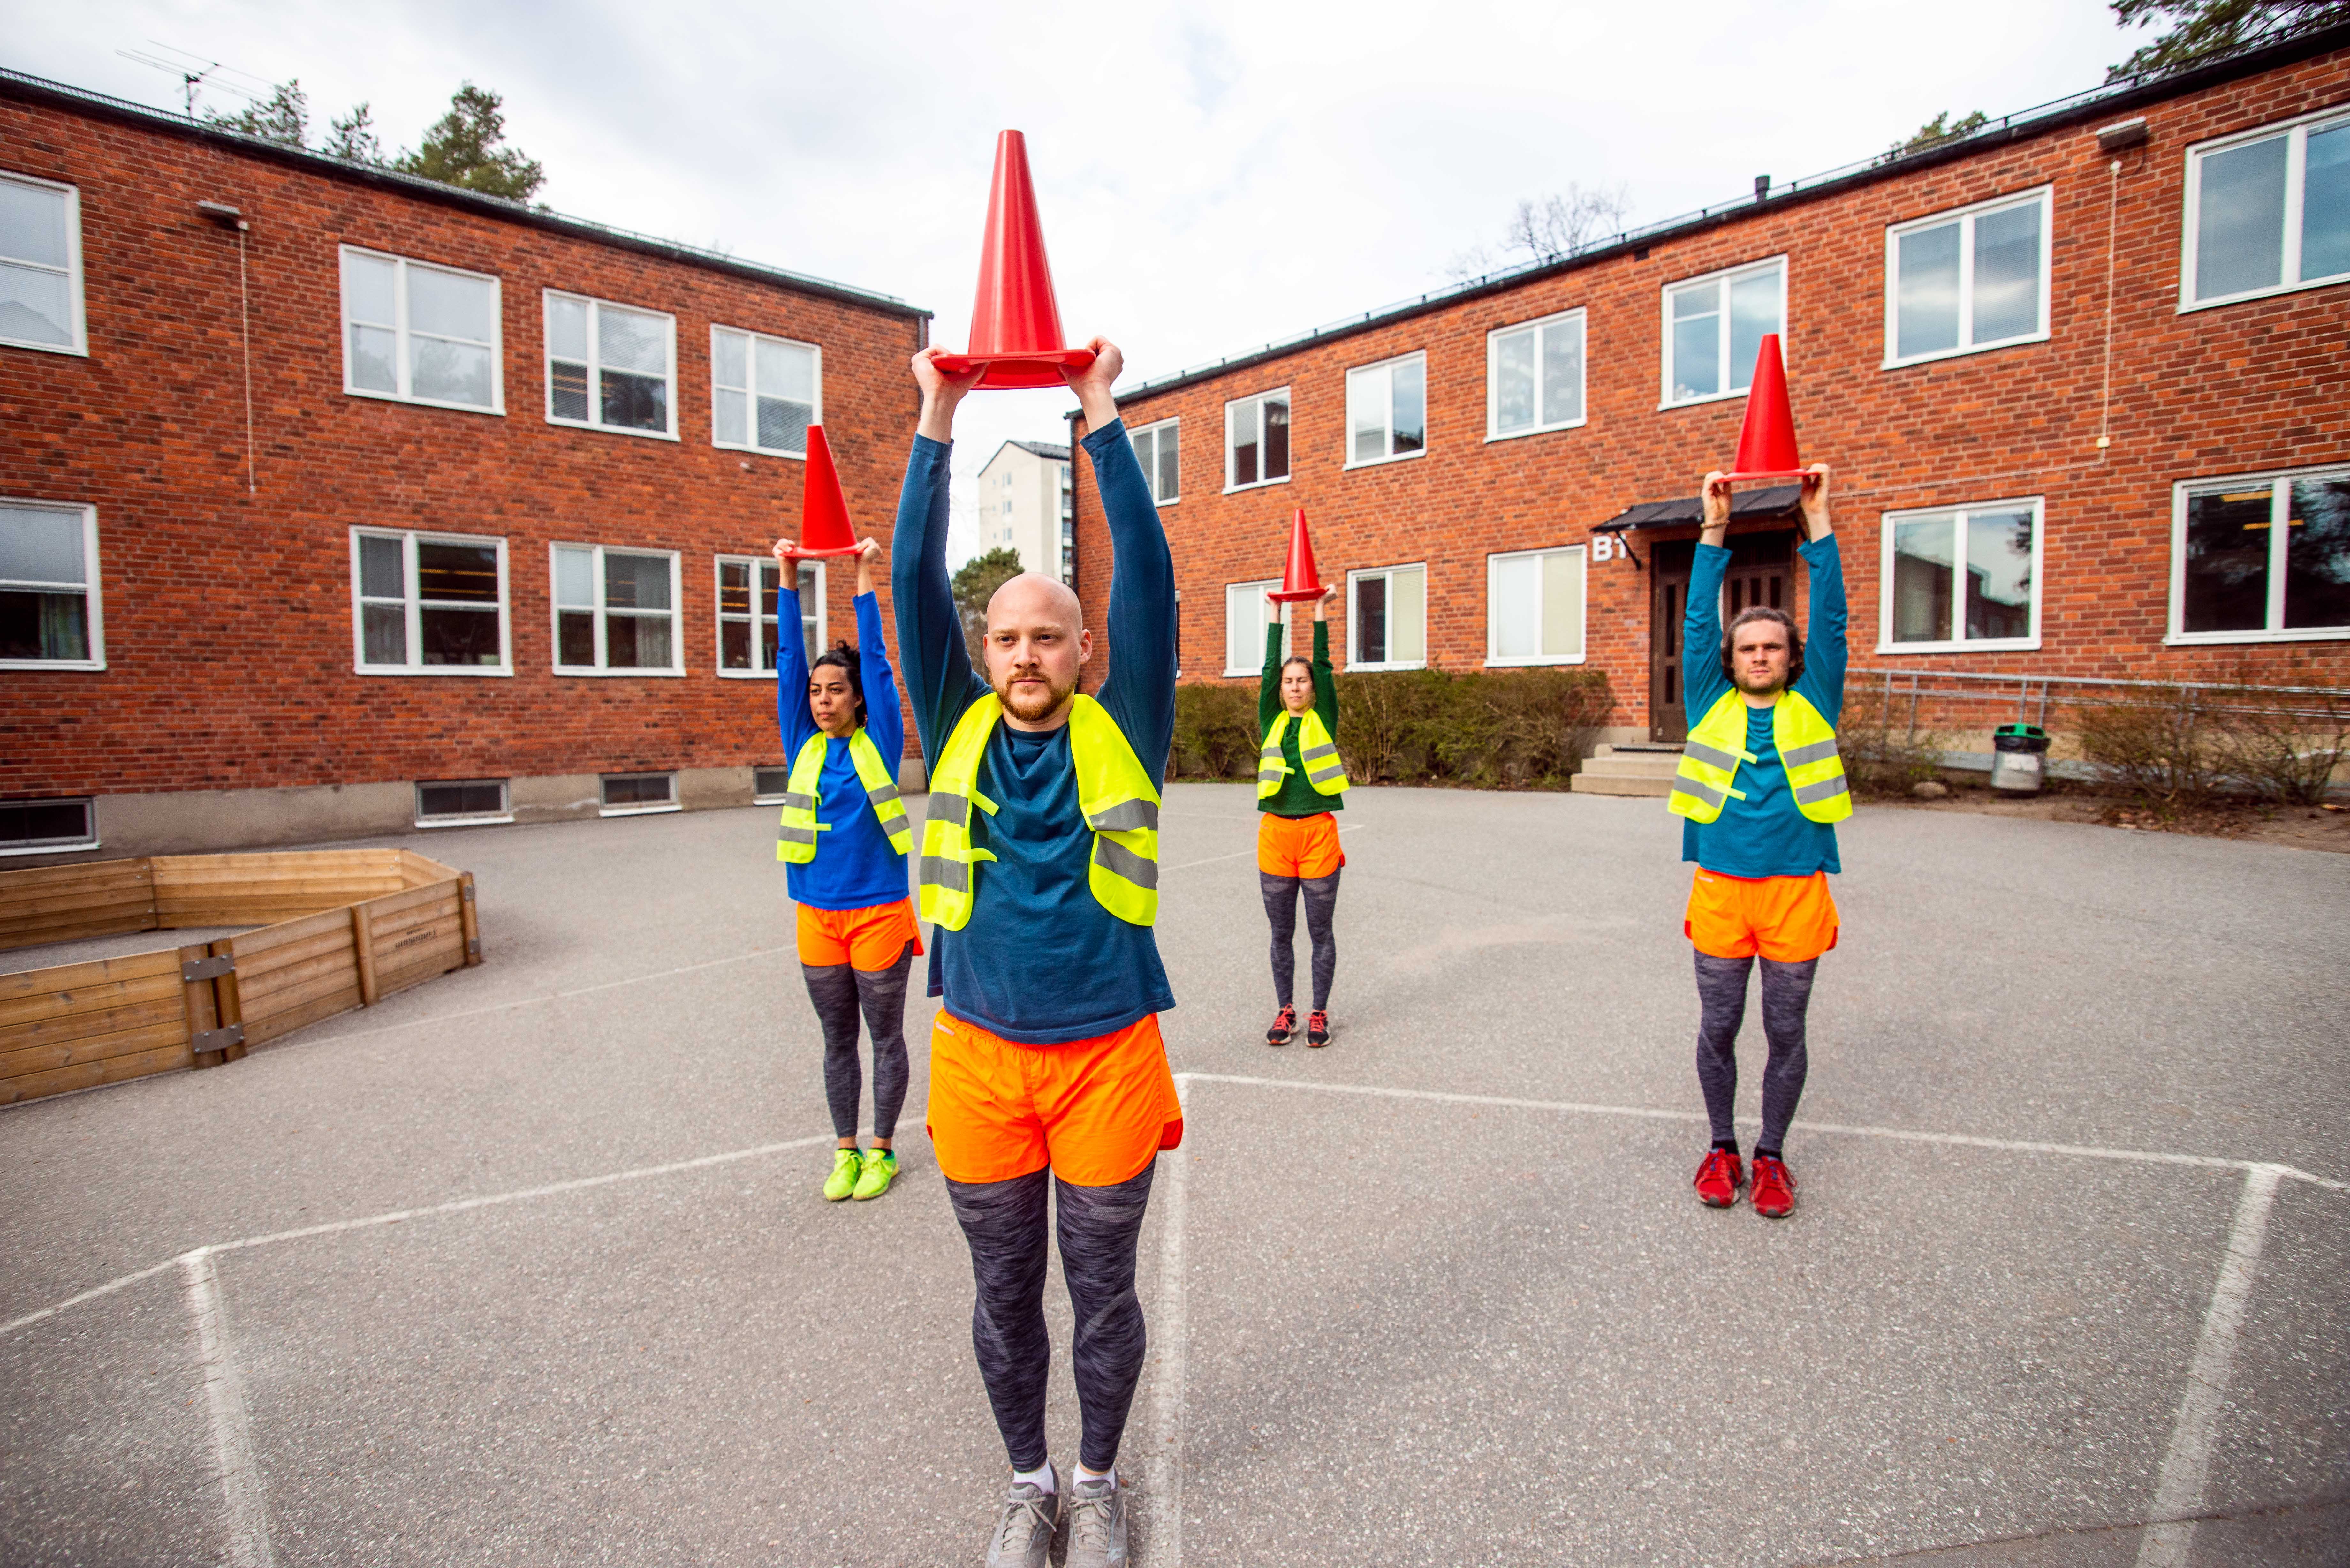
point(338, 928)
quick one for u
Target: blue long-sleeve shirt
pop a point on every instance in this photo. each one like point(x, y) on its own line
point(1763, 834)
point(856, 867)
point(1041, 961)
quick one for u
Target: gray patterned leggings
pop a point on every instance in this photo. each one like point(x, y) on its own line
point(1722, 1007)
point(1281, 909)
point(838, 993)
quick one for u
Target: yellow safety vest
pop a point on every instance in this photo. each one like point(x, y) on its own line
point(1708, 774)
point(1316, 749)
point(795, 838)
point(1118, 796)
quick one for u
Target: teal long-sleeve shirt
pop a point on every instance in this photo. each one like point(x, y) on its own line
point(1298, 797)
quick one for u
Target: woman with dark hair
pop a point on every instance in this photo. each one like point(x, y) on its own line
point(845, 837)
point(1299, 783)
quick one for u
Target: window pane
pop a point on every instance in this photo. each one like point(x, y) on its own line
point(1366, 413)
point(1169, 486)
point(38, 545)
point(2226, 561)
point(728, 366)
point(467, 573)
point(381, 570)
point(783, 425)
point(575, 640)
point(43, 626)
point(787, 371)
point(731, 416)
point(2326, 204)
point(1562, 379)
point(1517, 606)
point(634, 582)
point(450, 305)
point(635, 402)
point(2007, 274)
point(1276, 438)
point(367, 290)
point(734, 588)
point(1925, 553)
point(371, 367)
point(383, 634)
point(1410, 381)
point(1753, 311)
point(1370, 621)
point(448, 372)
point(1926, 309)
point(29, 822)
point(1245, 623)
point(2239, 220)
point(32, 224)
point(2317, 554)
point(1406, 615)
point(567, 329)
point(1146, 453)
point(575, 577)
point(636, 642)
point(36, 307)
point(1243, 419)
point(459, 636)
point(1697, 343)
point(811, 595)
point(735, 645)
point(567, 390)
point(1513, 382)
point(1562, 605)
point(630, 341)
point(1998, 574)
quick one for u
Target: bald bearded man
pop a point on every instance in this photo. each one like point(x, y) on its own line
point(1039, 870)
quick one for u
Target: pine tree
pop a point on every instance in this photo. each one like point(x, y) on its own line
point(284, 118)
point(465, 149)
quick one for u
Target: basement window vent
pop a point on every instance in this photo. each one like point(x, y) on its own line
point(41, 827)
point(768, 784)
point(453, 803)
point(635, 794)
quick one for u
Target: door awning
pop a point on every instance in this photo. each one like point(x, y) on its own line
point(1773, 501)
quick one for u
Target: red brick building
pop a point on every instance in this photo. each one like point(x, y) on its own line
point(2084, 375)
point(334, 501)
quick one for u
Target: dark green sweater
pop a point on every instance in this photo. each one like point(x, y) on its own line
point(1297, 797)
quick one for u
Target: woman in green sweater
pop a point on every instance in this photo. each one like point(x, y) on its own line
point(1299, 783)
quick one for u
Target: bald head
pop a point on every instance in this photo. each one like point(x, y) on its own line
point(1032, 597)
point(1036, 641)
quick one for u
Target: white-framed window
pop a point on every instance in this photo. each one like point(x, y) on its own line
point(637, 794)
point(1534, 601)
point(47, 826)
point(50, 614)
point(769, 786)
point(1387, 411)
point(747, 585)
point(1157, 448)
point(1961, 578)
point(2261, 558)
point(610, 367)
point(1963, 281)
point(764, 391)
point(615, 611)
point(1256, 440)
point(2267, 211)
point(1534, 376)
point(463, 803)
point(416, 332)
point(40, 265)
point(429, 603)
point(1714, 327)
point(1246, 615)
point(1387, 618)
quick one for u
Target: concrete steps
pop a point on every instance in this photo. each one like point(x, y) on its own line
point(1627, 769)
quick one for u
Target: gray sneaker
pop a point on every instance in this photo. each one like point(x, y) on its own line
point(1023, 1537)
point(1097, 1524)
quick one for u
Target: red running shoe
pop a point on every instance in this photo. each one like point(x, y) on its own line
point(1317, 1028)
point(1719, 1179)
point(1774, 1189)
point(1284, 1024)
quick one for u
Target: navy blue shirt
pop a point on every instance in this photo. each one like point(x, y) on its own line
point(1041, 961)
point(1763, 834)
point(855, 866)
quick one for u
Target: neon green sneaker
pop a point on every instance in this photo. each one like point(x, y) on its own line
point(846, 1167)
point(880, 1169)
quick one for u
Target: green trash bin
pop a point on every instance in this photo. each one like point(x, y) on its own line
point(2019, 757)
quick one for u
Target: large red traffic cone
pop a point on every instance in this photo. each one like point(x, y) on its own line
point(1766, 442)
point(824, 510)
point(1015, 327)
point(1300, 584)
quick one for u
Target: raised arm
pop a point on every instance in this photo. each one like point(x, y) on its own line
point(1268, 685)
point(1325, 682)
point(939, 677)
point(1702, 682)
point(1825, 649)
point(884, 723)
point(1140, 691)
point(792, 720)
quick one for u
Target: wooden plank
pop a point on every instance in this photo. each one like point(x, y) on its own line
point(288, 882)
point(336, 936)
point(392, 952)
point(49, 935)
point(399, 928)
point(97, 972)
point(89, 872)
point(96, 1020)
point(324, 1006)
point(29, 906)
point(40, 1058)
point(90, 1074)
point(363, 952)
point(471, 910)
point(95, 997)
point(258, 990)
point(431, 965)
point(174, 863)
point(423, 871)
point(252, 944)
point(411, 899)
point(248, 915)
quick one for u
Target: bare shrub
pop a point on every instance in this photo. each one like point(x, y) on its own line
point(1884, 752)
point(2154, 743)
point(1215, 732)
point(2279, 746)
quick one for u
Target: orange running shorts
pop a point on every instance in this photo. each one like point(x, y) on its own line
point(1298, 846)
point(1786, 919)
point(862, 939)
point(1097, 1110)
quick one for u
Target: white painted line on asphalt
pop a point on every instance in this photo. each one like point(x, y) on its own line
point(2179, 1490)
point(1172, 1337)
point(108, 1289)
point(244, 1518)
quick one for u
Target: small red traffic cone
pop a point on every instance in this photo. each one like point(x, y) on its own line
point(824, 510)
point(1301, 584)
point(1766, 442)
point(1015, 326)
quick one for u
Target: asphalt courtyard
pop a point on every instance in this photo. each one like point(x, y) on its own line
point(529, 1266)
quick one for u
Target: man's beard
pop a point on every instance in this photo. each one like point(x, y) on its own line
point(1024, 704)
point(1740, 678)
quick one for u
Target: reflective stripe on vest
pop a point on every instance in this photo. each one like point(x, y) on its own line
point(1707, 778)
point(1118, 797)
point(1324, 769)
point(795, 838)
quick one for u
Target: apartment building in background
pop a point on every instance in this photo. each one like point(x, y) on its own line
point(337, 501)
point(1024, 505)
point(2083, 377)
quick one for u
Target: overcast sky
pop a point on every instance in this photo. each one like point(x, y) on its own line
point(1212, 174)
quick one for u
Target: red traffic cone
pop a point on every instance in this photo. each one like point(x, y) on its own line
point(1766, 442)
point(824, 510)
point(1301, 584)
point(1015, 327)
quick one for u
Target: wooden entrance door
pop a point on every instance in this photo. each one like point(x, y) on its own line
point(1762, 572)
point(1668, 602)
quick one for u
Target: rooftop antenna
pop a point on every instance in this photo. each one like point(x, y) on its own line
point(191, 74)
